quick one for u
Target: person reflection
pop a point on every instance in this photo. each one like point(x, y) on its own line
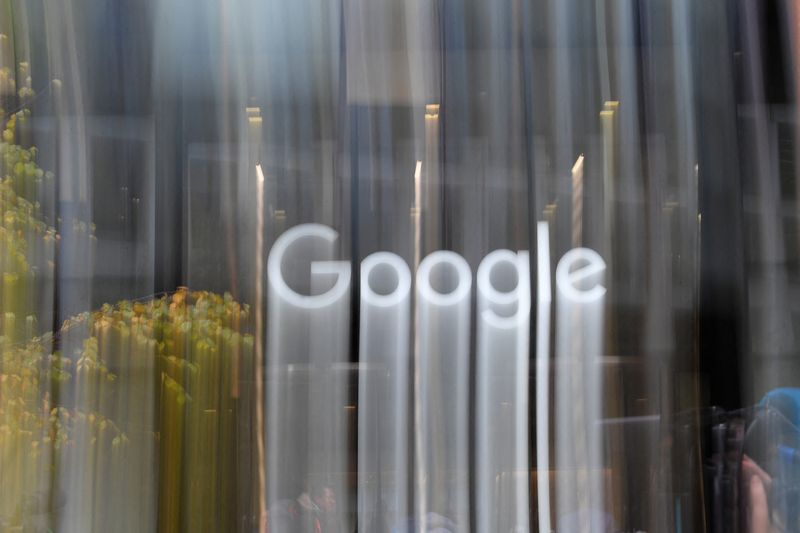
point(313, 511)
point(757, 484)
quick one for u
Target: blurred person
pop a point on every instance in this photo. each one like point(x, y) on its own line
point(313, 511)
point(757, 484)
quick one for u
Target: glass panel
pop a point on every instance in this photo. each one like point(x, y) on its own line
point(404, 265)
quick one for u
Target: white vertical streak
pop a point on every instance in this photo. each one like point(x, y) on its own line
point(543, 309)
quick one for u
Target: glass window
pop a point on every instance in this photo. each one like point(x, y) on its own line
point(399, 265)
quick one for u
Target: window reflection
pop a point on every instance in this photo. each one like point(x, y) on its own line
point(398, 266)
